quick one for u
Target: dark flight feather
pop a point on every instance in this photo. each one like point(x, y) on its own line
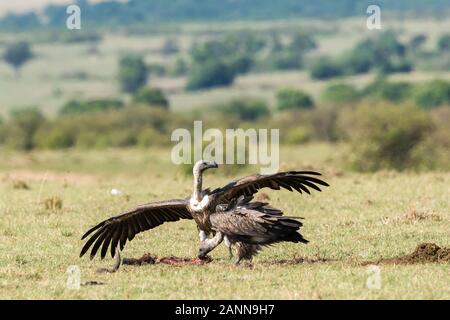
point(117, 230)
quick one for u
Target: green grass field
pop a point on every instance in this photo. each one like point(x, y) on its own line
point(360, 217)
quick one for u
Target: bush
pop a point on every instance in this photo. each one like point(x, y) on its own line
point(444, 43)
point(17, 54)
point(325, 68)
point(76, 107)
point(389, 91)
point(417, 42)
point(245, 109)
point(210, 74)
point(151, 137)
point(356, 62)
point(151, 97)
point(157, 69)
point(297, 135)
point(111, 128)
point(19, 132)
point(180, 68)
point(169, 47)
point(54, 138)
point(323, 122)
point(385, 136)
point(433, 94)
point(434, 151)
point(241, 64)
point(383, 53)
point(285, 60)
point(293, 99)
point(302, 42)
point(340, 93)
point(132, 73)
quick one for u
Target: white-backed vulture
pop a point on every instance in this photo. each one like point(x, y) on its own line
point(116, 231)
point(250, 225)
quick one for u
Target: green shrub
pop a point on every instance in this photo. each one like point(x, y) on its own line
point(383, 53)
point(444, 43)
point(285, 60)
point(293, 99)
point(76, 107)
point(245, 109)
point(384, 136)
point(151, 137)
point(170, 47)
point(434, 151)
point(433, 94)
point(20, 130)
point(210, 74)
point(389, 91)
point(132, 73)
point(297, 135)
point(157, 69)
point(417, 42)
point(17, 54)
point(240, 64)
point(355, 61)
point(325, 68)
point(180, 68)
point(323, 122)
point(112, 128)
point(340, 93)
point(151, 97)
point(54, 138)
point(302, 42)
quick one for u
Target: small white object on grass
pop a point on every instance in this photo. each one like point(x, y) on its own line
point(115, 192)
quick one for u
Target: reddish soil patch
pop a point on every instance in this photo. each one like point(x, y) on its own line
point(424, 253)
point(174, 261)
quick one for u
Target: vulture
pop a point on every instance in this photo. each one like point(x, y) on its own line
point(250, 225)
point(113, 233)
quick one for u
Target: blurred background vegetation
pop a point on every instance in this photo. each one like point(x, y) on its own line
point(139, 69)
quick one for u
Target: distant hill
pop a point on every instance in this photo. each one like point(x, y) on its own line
point(138, 12)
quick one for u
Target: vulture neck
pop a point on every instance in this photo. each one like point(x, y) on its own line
point(198, 186)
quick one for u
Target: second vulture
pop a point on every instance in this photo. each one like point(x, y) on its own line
point(248, 226)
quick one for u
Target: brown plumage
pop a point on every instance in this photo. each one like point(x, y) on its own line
point(290, 180)
point(250, 225)
point(116, 231)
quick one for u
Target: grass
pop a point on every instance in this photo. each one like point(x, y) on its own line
point(360, 217)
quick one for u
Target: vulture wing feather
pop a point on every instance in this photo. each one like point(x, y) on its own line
point(290, 180)
point(117, 230)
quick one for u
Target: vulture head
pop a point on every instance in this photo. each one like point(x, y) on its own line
point(203, 165)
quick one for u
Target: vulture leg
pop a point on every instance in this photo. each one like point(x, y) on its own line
point(117, 261)
point(228, 244)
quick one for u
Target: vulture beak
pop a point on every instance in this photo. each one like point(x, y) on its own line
point(213, 164)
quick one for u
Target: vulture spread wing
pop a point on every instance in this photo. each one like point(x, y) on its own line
point(117, 230)
point(290, 180)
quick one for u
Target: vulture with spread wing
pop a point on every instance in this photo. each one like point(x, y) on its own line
point(248, 226)
point(116, 231)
